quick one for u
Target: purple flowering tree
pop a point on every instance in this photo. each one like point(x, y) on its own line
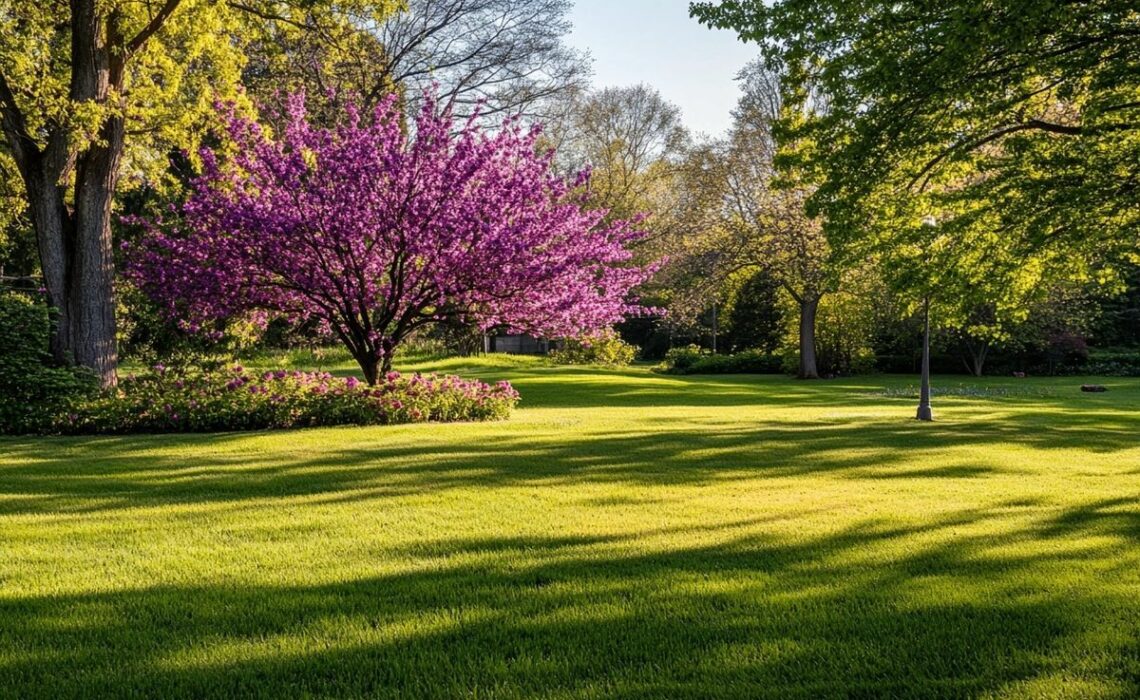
point(375, 229)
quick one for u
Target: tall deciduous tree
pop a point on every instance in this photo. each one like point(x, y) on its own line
point(375, 233)
point(754, 215)
point(497, 56)
point(90, 89)
point(632, 139)
point(501, 56)
point(1025, 114)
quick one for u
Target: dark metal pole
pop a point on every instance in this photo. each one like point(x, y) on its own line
point(714, 328)
point(924, 411)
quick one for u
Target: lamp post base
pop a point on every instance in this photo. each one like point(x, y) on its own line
point(925, 413)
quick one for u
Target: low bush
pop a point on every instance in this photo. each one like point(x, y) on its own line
point(603, 349)
point(1110, 363)
point(831, 363)
point(33, 390)
point(693, 360)
point(680, 360)
point(195, 400)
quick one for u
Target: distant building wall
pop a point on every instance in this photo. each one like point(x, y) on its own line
point(519, 345)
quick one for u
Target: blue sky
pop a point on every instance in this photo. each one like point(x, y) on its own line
point(656, 42)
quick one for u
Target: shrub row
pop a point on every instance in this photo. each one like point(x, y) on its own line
point(1102, 363)
point(195, 400)
point(694, 360)
point(1106, 363)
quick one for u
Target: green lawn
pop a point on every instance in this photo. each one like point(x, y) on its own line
point(624, 535)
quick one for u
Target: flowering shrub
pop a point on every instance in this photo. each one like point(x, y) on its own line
point(192, 400)
point(606, 348)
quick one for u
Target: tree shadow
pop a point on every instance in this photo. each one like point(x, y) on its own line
point(79, 475)
point(976, 602)
point(750, 615)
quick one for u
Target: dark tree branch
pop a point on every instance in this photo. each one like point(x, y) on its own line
point(152, 26)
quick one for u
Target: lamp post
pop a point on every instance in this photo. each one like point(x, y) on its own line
point(714, 328)
point(925, 413)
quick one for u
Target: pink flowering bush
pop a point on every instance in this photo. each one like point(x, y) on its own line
point(194, 400)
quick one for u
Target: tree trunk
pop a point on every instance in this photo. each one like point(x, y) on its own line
point(809, 305)
point(75, 244)
point(371, 369)
point(78, 267)
point(55, 239)
point(92, 304)
point(977, 357)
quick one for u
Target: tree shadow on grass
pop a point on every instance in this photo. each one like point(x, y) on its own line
point(593, 387)
point(748, 616)
point(1117, 517)
point(89, 474)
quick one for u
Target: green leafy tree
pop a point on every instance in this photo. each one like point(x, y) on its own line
point(1023, 115)
point(1010, 125)
point(753, 214)
point(755, 316)
point(92, 90)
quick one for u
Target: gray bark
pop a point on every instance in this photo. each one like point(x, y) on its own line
point(74, 237)
point(809, 305)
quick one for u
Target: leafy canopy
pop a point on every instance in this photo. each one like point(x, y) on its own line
point(1014, 124)
point(912, 88)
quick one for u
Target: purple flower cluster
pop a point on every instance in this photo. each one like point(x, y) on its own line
point(372, 230)
point(192, 400)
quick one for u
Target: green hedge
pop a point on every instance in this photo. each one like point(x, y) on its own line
point(603, 349)
point(1112, 363)
point(693, 360)
point(33, 390)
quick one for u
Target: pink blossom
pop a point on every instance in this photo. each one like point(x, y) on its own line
point(373, 230)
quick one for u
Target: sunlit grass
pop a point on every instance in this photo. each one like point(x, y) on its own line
point(625, 534)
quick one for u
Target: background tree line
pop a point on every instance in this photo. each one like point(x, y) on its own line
point(981, 161)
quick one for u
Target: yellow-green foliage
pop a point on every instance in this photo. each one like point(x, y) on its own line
point(172, 81)
point(605, 348)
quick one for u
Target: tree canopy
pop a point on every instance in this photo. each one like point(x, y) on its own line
point(1020, 117)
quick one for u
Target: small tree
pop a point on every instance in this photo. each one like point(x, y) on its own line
point(755, 319)
point(374, 233)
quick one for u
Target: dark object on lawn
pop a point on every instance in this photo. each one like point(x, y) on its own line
point(1019, 375)
point(1094, 388)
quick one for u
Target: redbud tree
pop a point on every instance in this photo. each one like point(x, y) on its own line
point(375, 229)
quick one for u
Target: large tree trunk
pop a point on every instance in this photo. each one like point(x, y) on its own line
point(809, 305)
point(92, 305)
point(55, 239)
point(75, 242)
point(78, 267)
